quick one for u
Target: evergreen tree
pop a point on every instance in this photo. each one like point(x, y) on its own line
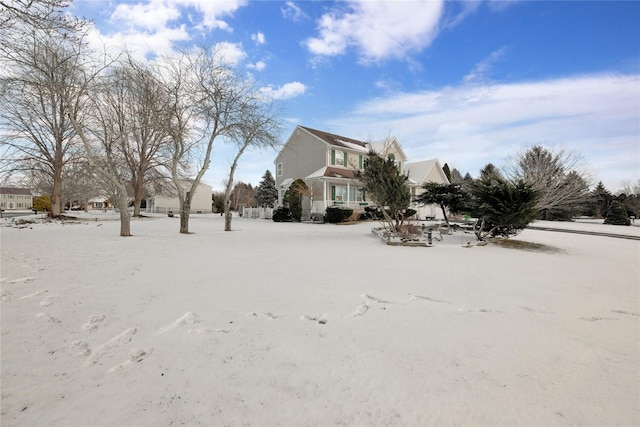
point(444, 195)
point(293, 198)
point(599, 200)
point(617, 214)
point(447, 171)
point(386, 186)
point(267, 193)
point(502, 207)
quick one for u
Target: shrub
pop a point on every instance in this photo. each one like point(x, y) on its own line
point(337, 214)
point(408, 213)
point(617, 214)
point(282, 214)
point(42, 203)
point(373, 212)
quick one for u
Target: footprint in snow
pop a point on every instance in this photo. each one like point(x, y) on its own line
point(627, 313)
point(135, 356)
point(199, 331)
point(22, 280)
point(189, 318)
point(268, 315)
point(536, 311)
point(320, 319)
point(109, 346)
point(597, 318)
point(92, 324)
point(49, 318)
point(35, 294)
point(368, 300)
point(420, 297)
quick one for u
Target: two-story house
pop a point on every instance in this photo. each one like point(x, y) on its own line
point(328, 163)
point(419, 174)
point(12, 198)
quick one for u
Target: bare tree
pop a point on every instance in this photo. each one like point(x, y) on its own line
point(209, 101)
point(260, 129)
point(143, 113)
point(38, 14)
point(40, 138)
point(95, 110)
point(558, 179)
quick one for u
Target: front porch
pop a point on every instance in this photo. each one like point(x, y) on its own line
point(334, 191)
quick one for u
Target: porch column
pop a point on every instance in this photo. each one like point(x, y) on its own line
point(324, 195)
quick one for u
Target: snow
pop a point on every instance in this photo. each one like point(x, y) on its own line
point(308, 324)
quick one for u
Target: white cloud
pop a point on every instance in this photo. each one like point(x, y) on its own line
point(480, 72)
point(469, 126)
point(231, 53)
point(211, 11)
point(378, 30)
point(286, 91)
point(258, 38)
point(258, 66)
point(153, 15)
point(293, 12)
point(154, 27)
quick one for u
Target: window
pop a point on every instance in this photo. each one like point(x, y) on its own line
point(279, 169)
point(338, 158)
point(339, 193)
point(356, 194)
point(360, 162)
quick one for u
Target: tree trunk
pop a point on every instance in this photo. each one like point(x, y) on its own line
point(125, 217)
point(227, 220)
point(56, 197)
point(184, 215)
point(137, 199)
point(444, 213)
point(136, 207)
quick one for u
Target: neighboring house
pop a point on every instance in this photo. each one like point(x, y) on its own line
point(163, 203)
point(14, 198)
point(99, 203)
point(421, 173)
point(328, 163)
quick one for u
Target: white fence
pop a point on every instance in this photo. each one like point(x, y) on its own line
point(266, 213)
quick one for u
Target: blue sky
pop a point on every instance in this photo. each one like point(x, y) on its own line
point(466, 82)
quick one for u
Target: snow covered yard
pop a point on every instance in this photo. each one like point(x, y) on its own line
point(300, 324)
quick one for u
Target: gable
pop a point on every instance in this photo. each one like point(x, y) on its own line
point(426, 171)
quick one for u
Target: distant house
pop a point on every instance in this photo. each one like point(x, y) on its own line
point(99, 203)
point(421, 173)
point(15, 198)
point(164, 202)
point(328, 164)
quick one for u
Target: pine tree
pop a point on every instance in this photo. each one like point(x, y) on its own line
point(293, 198)
point(386, 186)
point(447, 171)
point(267, 193)
point(617, 214)
point(599, 200)
point(503, 207)
point(444, 195)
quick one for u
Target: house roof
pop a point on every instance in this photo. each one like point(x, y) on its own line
point(330, 172)
point(418, 171)
point(383, 145)
point(15, 190)
point(337, 140)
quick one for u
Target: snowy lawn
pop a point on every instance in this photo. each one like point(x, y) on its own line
point(301, 324)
